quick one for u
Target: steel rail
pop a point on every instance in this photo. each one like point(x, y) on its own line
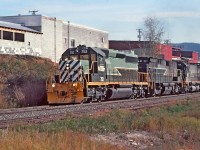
point(41, 114)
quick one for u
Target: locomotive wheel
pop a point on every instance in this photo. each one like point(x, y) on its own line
point(90, 101)
point(99, 99)
point(131, 97)
point(142, 95)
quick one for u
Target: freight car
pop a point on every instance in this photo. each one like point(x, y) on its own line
point(96, 74)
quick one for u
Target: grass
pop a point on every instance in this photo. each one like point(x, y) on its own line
point(23, 80)
point(178, 126)
point(66, 140)
point(123, 121)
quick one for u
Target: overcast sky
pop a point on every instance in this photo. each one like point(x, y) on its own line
point(121, 18)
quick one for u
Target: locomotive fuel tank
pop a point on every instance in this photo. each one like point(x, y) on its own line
point(194, 88)
point(118, 93)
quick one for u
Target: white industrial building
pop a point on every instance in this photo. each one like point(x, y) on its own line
point(45, 36)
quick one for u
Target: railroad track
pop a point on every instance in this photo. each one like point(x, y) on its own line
point(41, 114)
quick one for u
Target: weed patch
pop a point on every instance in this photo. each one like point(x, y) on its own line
point(177, 126)
point(22, 80)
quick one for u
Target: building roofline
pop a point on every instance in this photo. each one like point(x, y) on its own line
point(64, 22)
point(84, 26)
point(9, 25)
point(19, 15)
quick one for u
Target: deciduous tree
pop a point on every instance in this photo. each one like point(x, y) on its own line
point(153, 33)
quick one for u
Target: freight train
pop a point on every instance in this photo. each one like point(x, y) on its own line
point(88, 74)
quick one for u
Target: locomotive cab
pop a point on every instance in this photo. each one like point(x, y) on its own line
point(92, 61)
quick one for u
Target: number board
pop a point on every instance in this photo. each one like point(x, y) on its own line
point(83, 50)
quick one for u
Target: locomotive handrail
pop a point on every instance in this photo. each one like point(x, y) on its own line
point(91, 68)
point(143, 77)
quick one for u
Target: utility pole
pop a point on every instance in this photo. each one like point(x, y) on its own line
point(139, 33)
point(68, 33)
point(55, 38)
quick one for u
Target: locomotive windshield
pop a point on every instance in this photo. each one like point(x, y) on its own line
point(83, 57)
point(81, 53)
point(73, 57)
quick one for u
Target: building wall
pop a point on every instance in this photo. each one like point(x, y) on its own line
point(195, 56)
point(31, 45)
point(191, 56)
point(127, 45)
point(176, 54)
point(84, 36)
point(54, 39)
point(166, 50)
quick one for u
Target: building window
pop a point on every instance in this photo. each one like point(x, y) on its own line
point(72, 42)
point(29, 43)
point(102, 39)
point(19, 37)
point(65, 40)
point(7, 35)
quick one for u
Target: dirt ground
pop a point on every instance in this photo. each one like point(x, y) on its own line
point(132, 140)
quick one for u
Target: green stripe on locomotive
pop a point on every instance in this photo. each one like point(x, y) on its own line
point(121, 60)
point(121, 66)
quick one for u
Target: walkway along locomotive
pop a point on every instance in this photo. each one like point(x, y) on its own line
point(96, 74)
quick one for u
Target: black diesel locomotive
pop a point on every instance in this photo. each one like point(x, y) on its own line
point(96, 74)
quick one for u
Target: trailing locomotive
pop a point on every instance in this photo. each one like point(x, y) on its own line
point(95, 74)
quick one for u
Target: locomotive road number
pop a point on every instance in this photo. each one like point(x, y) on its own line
point(84, 51)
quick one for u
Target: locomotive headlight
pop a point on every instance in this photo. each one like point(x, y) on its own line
point(67, 66)
point(53, 85)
